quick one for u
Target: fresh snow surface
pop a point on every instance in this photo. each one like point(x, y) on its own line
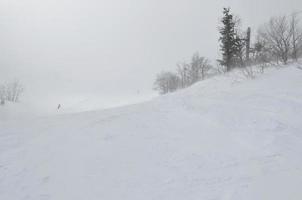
point(225, 138)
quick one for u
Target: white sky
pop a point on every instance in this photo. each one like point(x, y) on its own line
point(112, 48)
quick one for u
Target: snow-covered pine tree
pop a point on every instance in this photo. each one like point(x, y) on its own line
point(228, 39)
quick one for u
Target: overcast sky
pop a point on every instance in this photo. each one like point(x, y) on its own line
point(112, 48)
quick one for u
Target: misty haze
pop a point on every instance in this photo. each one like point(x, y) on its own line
point(150, 99)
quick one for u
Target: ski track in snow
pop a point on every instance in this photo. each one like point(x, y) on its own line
point(225, 138)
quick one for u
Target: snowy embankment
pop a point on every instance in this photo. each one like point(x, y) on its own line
point(225, 138)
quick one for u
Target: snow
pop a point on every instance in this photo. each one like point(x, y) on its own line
point(225, 138)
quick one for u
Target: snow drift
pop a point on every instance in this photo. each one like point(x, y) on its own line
point(225, 138)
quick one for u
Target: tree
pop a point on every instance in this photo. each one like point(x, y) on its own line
point(228, 39)
point(11, 91)
point(240, 49)
point(261, 53)
point(205, 67)
point(186, 75)
point(277, 35)
point(296, 33)
point(199, 68)
point(183, 73)
point(2, 94)
point(166, 82)
point(195, 71)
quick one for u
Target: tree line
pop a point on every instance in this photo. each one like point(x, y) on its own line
point(186, 75)
point(278, 40)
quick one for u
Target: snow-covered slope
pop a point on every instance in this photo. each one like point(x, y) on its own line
point(224, 138)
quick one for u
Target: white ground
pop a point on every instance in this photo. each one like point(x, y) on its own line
point(226, 138)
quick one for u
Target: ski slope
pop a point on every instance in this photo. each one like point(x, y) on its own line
point(225, 138)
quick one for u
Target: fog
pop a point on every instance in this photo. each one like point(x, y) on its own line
point(107, 52)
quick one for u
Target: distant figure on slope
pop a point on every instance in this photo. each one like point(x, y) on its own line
point(59, 106)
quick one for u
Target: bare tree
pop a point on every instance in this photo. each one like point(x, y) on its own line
point(2, 94)
point(194, 71)
point(277, 35)
point(261, 52)
point(166, 82)
point(204, 66)
point(198, 68)
point(13, 91)
point(296, 31)
point(183, 73)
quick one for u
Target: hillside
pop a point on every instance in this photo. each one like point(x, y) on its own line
point(225, 138)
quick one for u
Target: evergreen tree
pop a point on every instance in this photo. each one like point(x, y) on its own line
point(229, 39)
